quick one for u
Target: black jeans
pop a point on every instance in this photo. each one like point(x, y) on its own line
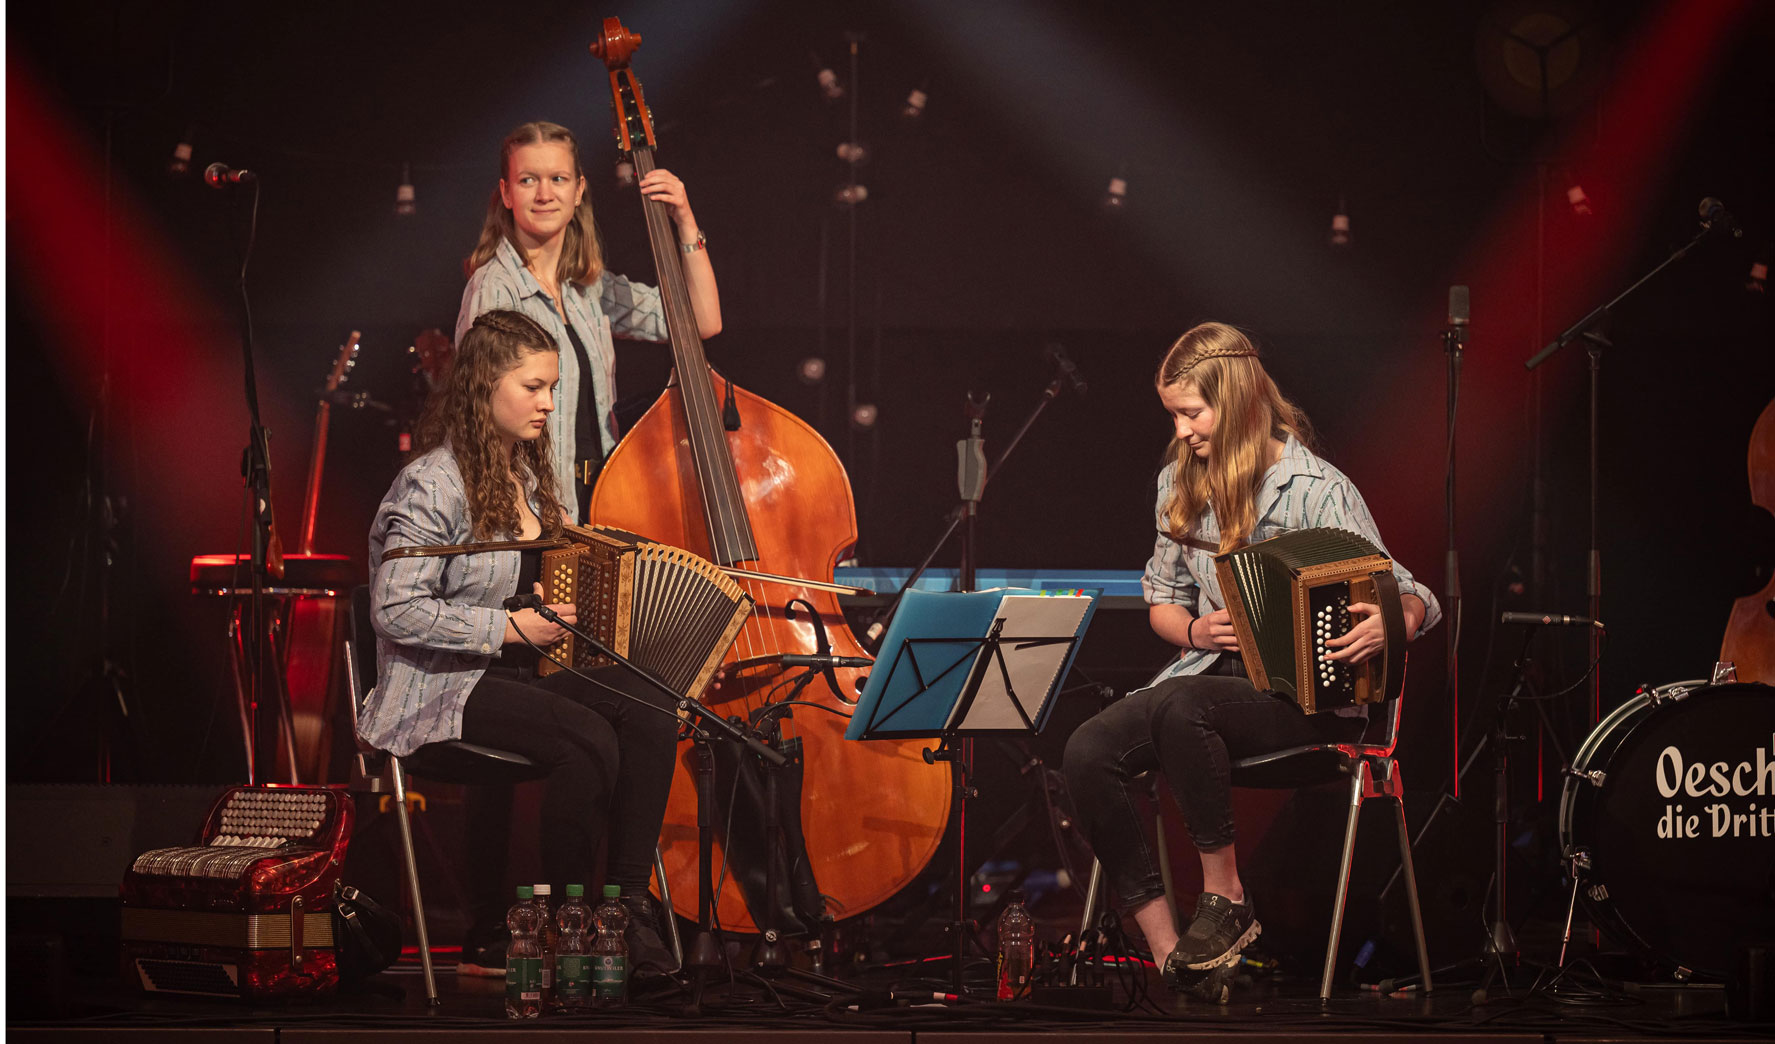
point(1189, 728)
point(609, 767)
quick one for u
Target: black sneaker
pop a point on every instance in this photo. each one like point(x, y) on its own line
point(650, 958)
point(1220, 930)
point(485, 959)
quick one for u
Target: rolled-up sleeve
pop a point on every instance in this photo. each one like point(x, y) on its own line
point(1342, 507)
point(1166, 580)
point(408, 602)
point(634, 309)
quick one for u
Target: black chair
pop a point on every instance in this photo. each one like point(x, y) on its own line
point(1372, 772)
point(453, 761)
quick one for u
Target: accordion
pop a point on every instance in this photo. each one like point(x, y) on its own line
point(1289, 595)
point(668, 610)
point(247, 911)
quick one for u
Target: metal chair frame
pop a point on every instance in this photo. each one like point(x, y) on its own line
point(1373, 773)
point(379, 771)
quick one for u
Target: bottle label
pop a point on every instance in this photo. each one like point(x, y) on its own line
point(573, 977)
point(548, 974)
point(523, 979)
point(609, 972)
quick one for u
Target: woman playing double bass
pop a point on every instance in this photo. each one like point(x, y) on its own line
point(539, 254)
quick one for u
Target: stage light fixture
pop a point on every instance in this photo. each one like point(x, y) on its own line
point(812, 370)
point(854, 153)
point(915, 103)
point(864, 415)
point(404, 202)
point(180, 164)
point(625, 173)
point(828, 80)
point(1579, 202)
point(850, 195)
point(1115, 197)
point(1340, 225)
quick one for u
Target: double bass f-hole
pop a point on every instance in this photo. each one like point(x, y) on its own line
point(822, 647)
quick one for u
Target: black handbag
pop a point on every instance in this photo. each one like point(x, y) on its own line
point(366, 934)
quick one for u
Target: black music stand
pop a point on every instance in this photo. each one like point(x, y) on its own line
point(966, 686)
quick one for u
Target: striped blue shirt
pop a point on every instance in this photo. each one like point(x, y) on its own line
point(613, 306)
point(439, 620)
point(1299, 491)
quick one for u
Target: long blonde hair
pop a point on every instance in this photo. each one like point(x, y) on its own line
point(582, 258)
point(1221, 364)
point(459, 413)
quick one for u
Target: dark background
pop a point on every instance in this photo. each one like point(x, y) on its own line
point(1240, 129)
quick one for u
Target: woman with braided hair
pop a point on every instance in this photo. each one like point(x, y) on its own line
point(1238, 471)
point(453, 664)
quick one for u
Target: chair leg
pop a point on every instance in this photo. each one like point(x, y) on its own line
point(1359, 781)
point(400, 812)
point(1411, 894)
point(1090, 913)
point(665, 903)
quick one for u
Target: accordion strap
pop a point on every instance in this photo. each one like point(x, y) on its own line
point(1202, 545)
point(441, 550)
point(1393, 617)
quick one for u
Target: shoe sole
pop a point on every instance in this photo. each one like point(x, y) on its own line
point(1233, 951)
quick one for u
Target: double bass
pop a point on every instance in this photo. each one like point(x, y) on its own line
point(770, 502)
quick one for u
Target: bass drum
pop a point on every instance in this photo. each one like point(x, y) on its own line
point(1669, 812)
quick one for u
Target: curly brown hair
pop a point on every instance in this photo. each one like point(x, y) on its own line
point(459, 414)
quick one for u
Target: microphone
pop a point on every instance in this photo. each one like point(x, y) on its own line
point(1460, 306)
point(1713, 210)
point(523, 601)
point(817, 660)
point(1460, 313)
point(216, 175)
point(1067, 370)
point(1550, 620)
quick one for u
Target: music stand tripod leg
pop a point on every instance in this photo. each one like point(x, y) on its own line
point(705, 955)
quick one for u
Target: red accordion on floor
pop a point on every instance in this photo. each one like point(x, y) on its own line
point(247, 911)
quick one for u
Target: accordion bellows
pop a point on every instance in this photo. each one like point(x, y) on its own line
point(671, 612)
point(1289, 595)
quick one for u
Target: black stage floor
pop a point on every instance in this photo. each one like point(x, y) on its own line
point(746, 1010)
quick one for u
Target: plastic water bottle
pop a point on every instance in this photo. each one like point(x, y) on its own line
point(545, 938)
point(610, 951)
point(523, 959)
point(573, 961)
point(1016, 949)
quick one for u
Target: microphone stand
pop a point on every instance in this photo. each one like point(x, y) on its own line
point(705, 955)
point(1597, 342)
point(968, 509)
point(1454, 338)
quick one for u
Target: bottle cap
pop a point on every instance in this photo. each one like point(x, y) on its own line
point(575, 891)
point(542, 890)
point(526, 892)
point(612, 891)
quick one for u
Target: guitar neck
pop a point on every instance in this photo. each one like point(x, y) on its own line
point(316, 461)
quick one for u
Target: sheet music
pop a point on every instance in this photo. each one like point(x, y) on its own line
point(1033, 669)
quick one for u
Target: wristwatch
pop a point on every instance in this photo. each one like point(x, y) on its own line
point(702, 243)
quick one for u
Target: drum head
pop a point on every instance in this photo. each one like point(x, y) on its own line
point(1681, 833)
